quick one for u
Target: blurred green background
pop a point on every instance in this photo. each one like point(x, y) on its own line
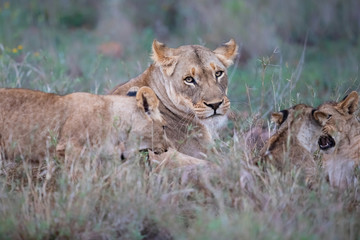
point(290, 51)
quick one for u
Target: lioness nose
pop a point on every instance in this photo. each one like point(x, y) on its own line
point(214, 105)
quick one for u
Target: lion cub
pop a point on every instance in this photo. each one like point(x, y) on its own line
point(294, 142)
point(34, 124)
point(340, 141)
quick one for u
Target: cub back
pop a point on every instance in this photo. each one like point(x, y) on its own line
point(35, 124)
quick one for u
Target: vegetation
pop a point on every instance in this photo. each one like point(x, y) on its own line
point(291, 52)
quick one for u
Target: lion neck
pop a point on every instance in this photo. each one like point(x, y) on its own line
point(189, 135)
point(353, 128)
point(340, 163)
point(157, 82)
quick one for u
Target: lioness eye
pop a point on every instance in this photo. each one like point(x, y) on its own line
point(189, 80)
point(329, 116)
point(219, 74)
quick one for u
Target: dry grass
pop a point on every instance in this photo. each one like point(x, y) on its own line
point(111, 200)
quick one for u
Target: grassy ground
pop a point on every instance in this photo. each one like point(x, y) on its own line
point(127, 200)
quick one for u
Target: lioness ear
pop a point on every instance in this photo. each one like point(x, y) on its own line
point(350, 103)
point(164, 57)
point(279, 117)
point(148, 102)
point(321, 117)
point(227, 52)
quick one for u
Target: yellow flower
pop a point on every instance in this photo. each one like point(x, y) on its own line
point(36, 54)
point(6, 5)
point(14, 50)
point(20, 47)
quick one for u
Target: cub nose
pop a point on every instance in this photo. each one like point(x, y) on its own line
point(214, 106)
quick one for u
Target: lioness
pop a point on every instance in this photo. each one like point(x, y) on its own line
point(340, 141)
point(191, 82)
point(294, 142)
point(34, 123)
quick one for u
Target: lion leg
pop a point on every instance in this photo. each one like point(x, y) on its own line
point(69, 154)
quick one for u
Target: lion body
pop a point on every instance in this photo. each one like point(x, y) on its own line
point(191, 84)
point(34, 124)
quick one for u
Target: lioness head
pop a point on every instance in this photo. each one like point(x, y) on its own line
point(195, 78)
point(334, 118)
point(147, 122)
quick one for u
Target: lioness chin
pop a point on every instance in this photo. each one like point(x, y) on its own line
point(191, 82)
point(34, 124)
point(340, 141)
point(294, 142)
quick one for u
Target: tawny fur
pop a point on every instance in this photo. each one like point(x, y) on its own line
point(295, 141)
point(184, 168)
point(34, 124)
point(340, 122)
point(173, 159)
point(194, 171)
point(186, 106)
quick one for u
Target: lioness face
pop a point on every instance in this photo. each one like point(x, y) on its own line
point(334, 118)
point(197, 81)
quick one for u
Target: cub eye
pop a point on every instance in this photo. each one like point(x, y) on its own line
point(329, 116)
point(189, 80)
point(219, 74)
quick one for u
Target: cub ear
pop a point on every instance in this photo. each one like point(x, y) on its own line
point(164, 57)
point(148, 102)
point(350, 103)
point(321, 117)
point(227, 52)
point(279, 117)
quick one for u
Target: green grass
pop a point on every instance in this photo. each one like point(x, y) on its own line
point(128, 201)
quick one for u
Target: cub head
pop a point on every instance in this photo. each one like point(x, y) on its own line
point(334, 118)
point(295, 126)
point(147, 122)
point(195, 78)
